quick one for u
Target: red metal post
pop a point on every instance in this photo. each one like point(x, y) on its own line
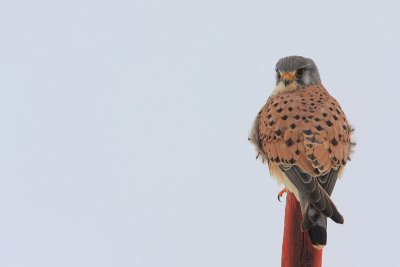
point(297, 250)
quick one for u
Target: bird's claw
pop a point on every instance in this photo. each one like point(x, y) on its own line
point(280, 194)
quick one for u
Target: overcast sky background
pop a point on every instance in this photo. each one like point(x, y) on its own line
point(123, 137)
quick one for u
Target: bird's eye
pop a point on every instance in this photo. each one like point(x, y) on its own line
point(299, 72)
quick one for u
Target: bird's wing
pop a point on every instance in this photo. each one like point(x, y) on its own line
point(313, 192)
point(307, 135)
point(306, 128)
point(328, 180)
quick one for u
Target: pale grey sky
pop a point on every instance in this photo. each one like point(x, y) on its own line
point(124, 129)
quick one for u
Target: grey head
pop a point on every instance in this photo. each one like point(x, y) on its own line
point(303, 70)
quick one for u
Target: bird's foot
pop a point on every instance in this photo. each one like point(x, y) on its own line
point(280, 194)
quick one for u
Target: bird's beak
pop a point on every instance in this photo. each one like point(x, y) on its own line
point(287, 77)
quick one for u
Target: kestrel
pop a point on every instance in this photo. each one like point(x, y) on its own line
point(305, 138)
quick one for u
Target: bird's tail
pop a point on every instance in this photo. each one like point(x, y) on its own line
point(315, 224)
point(315, 215)
point(317, 234)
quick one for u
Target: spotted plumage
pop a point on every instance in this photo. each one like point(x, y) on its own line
point(304, 136)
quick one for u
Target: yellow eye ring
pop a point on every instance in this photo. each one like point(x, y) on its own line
point(300, 72)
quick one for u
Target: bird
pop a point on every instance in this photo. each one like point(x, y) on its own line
point(303, 135)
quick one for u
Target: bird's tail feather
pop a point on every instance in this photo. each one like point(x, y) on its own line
point(315, 224)
point(317, 236)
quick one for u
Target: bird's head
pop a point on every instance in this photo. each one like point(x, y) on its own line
point(295, 72)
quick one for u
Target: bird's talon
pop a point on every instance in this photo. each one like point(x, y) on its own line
point(280, 194)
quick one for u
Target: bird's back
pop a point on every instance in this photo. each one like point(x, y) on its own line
point(306, 128)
